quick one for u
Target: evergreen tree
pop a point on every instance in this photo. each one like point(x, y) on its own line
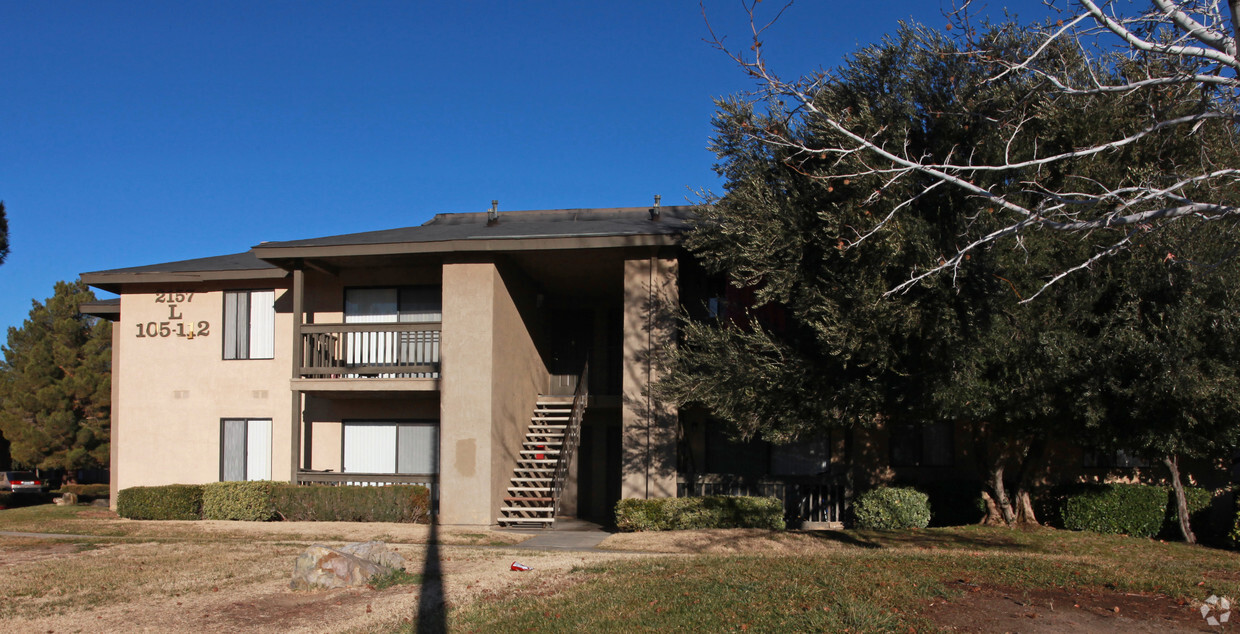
point(4, 234)
point(1168, 352)
point(55, 384)
point(801, 229)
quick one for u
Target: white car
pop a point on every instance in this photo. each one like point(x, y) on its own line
point(22, 482)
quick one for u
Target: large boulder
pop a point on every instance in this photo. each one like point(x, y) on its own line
point(344, 567)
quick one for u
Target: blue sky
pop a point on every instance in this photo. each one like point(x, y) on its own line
point(133, 133)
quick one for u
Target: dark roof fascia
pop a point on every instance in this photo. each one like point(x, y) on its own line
point(470, 245)
point(109, 309)
point(112, 282)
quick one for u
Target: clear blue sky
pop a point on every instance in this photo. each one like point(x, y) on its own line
point(133, 133)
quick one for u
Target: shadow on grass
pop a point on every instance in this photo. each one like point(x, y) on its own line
point(954, 538)
point(432, 616)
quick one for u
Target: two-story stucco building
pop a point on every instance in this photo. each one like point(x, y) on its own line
point(447, 354)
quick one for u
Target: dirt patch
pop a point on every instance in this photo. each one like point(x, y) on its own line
point(390, 532)
point(17, 552)
point(999, 609)
point(180, 592)
point(723, 541)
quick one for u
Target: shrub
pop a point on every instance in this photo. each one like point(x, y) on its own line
point(713, 511)
point(892, 507)
point(6, 499)
point(247, 501)
point(1199, 501)
point(394, 503)
point(167, 502)
point(1128, 509)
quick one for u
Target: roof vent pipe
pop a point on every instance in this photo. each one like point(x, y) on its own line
point(654, 211)
point(493, 215)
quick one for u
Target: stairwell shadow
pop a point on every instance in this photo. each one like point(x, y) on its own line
point(432, 616)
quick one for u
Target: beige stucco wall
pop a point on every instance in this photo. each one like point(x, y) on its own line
point(174, 391)
point(324, 294)
point(649, 426)
point(324, 420)
point(491, 376)
point(465, 414)
point(518, 377)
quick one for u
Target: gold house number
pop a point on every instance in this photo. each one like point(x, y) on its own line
point(176, 324)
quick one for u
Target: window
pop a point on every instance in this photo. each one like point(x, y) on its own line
point(389, 447)
point(409, 304)
point(245, 449)
point(922, 445)
point(806, 457)
point(249, 324)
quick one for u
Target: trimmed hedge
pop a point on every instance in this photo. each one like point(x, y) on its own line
point(393, 503)
point(1199, 503)
point(264, 500)
point(712, 511)
point(168, 502)
point(892, 507)
point(246, 501)
point(1130, 509)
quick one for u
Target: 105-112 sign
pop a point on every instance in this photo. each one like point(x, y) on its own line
point(176, 325)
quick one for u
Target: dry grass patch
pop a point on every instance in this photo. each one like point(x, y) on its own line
point(82, 520)
point(721, 542)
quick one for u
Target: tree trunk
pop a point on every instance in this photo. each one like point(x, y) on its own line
point(1033, 456)
point(1024, 508)
point(1181, 503)
point(993, 516)
point(998, 493)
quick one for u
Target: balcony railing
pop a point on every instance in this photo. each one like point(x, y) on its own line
point(335, 478)
point(812, 499)
point(334, 351)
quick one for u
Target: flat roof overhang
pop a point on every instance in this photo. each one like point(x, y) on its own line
point(290, 257)
point(112, 282)
point(109, 309)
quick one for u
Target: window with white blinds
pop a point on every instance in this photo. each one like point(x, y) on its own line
point(245, 449)
point(387, 447)
point(249, 324)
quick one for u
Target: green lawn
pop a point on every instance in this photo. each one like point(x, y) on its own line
point(880, 583)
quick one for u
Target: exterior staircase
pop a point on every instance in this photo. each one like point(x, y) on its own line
point(531, 496)
point(542, 464)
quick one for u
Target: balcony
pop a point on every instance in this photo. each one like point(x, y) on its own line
point(380, 356)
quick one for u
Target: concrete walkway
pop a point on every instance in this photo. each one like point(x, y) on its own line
point(567, 534)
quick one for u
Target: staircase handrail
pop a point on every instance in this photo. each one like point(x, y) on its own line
point(572, 436)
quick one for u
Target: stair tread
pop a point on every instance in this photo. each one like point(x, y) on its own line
point(518, 520)
point(529, 509)
point(515, 498)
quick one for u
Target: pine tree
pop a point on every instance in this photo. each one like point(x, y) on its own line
point(55, 384)
point(4, 234)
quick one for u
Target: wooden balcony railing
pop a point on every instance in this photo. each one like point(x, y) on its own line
point(404, 350)
point(335, 478)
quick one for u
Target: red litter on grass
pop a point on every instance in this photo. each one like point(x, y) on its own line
point(520, 567)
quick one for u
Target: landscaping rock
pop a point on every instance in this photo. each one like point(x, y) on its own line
point(349, 566)
point(66, 499)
